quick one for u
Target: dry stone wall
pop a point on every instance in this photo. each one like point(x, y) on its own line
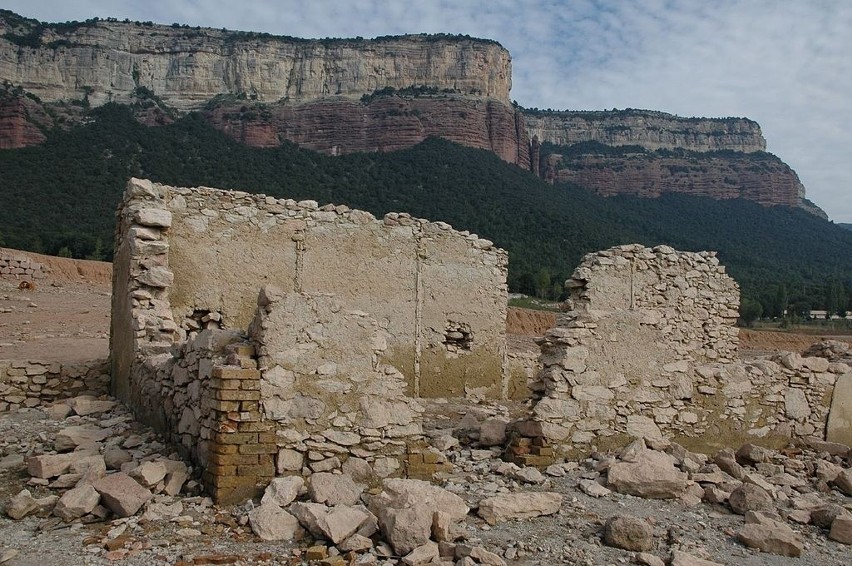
point(15, 265)
point(649, 349)
point(355, 316)
point(33, 384)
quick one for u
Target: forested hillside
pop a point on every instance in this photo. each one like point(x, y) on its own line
point(59, 198)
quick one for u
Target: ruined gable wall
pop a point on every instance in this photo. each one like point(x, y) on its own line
point(188, 267)
point(649, 349)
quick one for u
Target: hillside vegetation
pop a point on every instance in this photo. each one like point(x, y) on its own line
point(60, 197)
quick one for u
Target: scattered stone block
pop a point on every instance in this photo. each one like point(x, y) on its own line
point(334, 489)
point(283, 491)
point(841, 529)
point(749, 497)
point(76, 502)
point(342, 522)
point(519, 506)
point(122, 494)
point(770, 536)
point(49, 465)
point(628, 533)
point(653, 475)
point(272, 523)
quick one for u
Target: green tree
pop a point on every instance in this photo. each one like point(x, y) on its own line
point(542, 283)
point(98, 253)
point(778, 306)
point(750, 311)
point(64, 251)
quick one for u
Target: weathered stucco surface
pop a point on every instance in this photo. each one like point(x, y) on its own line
point(296, 327)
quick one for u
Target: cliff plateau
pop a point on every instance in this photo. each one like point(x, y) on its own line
point(340, 96)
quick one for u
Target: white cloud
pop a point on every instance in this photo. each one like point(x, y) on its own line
point(783, 63)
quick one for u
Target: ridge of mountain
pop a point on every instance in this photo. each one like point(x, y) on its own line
point(339, 96)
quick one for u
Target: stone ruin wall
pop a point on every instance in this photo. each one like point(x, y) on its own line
point(29, 383)
point(269, 336)
point(649, 348)
point(15, 265)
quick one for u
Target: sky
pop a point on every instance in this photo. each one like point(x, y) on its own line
point(786, 64)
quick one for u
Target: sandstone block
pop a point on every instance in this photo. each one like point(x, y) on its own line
point(288, 461)
point(156, 217)
point(423, 554)
point(770, 536)
point(407, 528)
point(72, 437)
point(122, 494)
point(76, 502)
point(493, 431)
point(843, 481)
point(653, 476)
point(149, 474)
point(824, 515)
point(90, 405)
point(643, 427)
point(49, 466)
point(334, 489)
point(749, 497)
point(21, 505)
point(628, 533)
point(309, 515)
point(283, 491)
point(342, 522)
point(272, 523)
point(519, 506)
point(841, 529)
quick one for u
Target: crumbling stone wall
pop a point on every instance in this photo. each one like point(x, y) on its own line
point(31, 383)
point(357, 315)
point(15, 265)
point(649, 348)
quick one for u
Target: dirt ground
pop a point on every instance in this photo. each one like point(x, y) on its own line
point(66, 316)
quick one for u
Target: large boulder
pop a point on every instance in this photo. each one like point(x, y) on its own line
point(768, 535)
point(749, 497)
point(653, 475)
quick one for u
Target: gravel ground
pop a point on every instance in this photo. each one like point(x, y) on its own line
point(205, 534)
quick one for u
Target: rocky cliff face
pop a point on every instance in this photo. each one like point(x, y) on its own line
point(348, 95)
point(185, 67)
point(387, 123)
point(21, 121)
point(649, 129)
point(763, 178)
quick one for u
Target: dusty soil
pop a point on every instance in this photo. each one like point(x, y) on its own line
point(66, 316)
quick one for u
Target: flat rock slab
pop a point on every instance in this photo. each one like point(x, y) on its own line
point(519, 506)
point(653, 476)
